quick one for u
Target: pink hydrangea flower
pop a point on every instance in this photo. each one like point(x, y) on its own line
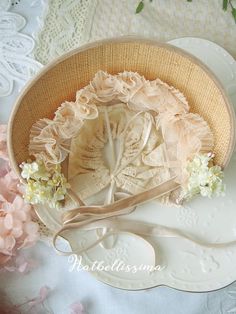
point(17, 230)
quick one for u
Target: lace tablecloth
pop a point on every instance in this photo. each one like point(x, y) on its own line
point(69, 23)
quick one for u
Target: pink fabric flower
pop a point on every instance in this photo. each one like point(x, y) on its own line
point(32, 306)
point(77, 308)
point(43, 294)
point(17, 230)
point(21, 265)
point(3, 141)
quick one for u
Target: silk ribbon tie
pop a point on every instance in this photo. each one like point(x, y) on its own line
point(89, 218)
point(95, 217)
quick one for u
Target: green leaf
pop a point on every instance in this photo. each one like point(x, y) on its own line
point(225, 4)
point(189, 0)
point(139, 7)
point(234, 14)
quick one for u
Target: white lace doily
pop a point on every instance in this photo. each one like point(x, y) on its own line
point(66, 25)
point(16, 63)
point(69, 23)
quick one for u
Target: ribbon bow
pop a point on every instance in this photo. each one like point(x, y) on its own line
point(97, 217)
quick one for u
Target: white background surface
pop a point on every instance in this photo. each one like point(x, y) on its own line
point(98, 298)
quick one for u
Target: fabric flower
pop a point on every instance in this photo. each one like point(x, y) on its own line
point(8, 183)
point(87, 111)
point(17, 230)
point(48, 142)
point(36, 304)
point(203, 178)
point(3, 142)
point(30, 306)
point(84, 96)
point(185, 136)
point(44, 186)
point(160, 97)
point(104, 86)
point(130, 83)
point(28, 169)
point(77, 308)
point(69, 120)
point(21, 264)
point(50, 139)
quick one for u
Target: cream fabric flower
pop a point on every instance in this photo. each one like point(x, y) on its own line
point(49, 142)
point(44, 186)
point(104, 87)
point(130, 83)
point(158, 96)
point(204, 178)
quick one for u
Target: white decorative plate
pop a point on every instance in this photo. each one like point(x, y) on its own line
point(184, 265)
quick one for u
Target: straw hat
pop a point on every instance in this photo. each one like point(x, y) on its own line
point(59, 81)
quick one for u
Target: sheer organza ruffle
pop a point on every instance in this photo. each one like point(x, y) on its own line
point(144, 127)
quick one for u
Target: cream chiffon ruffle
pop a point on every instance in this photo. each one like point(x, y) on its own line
point(124, 133)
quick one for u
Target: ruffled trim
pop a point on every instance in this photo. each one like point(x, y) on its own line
point(152, 119)
point(50, 139)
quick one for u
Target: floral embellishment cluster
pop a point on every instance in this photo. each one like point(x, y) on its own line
point(204, 178)
point(44, 186)
point(17, 229)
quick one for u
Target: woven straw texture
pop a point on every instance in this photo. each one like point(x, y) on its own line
point(61, 79)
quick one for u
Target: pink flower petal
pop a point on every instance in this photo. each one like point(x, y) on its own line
point(3, 132)
point(18, 202)
point(5, 193)
point(17, 229)
point(13, 175)
point(2, 243)
point(44, 291)
point(43, 294)
point(20, 215)
point(31, 228)
point(17, 223)
point(77, 308)
point(20, 264)
point(3, 230)
point(17, 232)
point(8, 221)
point(9, 243)
point(4, 168)
point(22, 268)
point(29, 241)
point(4, 258)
